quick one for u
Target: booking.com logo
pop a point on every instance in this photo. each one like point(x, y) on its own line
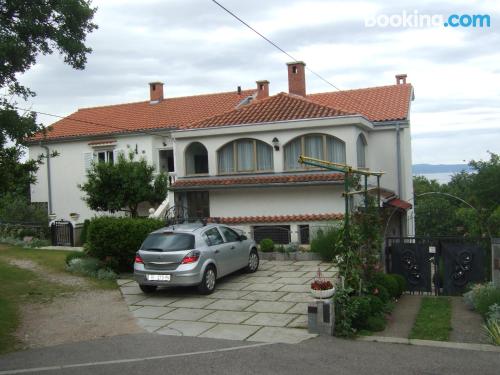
point(415, 19)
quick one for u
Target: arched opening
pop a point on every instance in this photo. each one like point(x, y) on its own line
point(245, 156)
point(196, 157)
point(361, 151)
point(319, 146)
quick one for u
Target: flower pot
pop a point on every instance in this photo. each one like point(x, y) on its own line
point(322, 294)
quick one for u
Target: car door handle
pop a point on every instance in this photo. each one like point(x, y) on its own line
point(216, 251)
point(232, 247)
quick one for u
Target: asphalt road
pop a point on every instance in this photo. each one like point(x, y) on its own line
point(154, 354)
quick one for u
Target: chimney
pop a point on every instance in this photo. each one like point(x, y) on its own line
point(297, 78)
point(262, 89)
point(400, 79)
point(156, 92)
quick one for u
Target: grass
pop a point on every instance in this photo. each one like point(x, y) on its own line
point(19, 286)
point(433, 320)
point(53, 260)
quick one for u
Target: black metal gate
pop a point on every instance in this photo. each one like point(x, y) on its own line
point(442, 266)
point(62, 233)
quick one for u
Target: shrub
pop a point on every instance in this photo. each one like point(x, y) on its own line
point(116, 240)
point(494, 312)
point(401, 283)
point(492, 328)
point(388, 282)
point(375, 323)
point(266, 245)
point(486, 297)
point(381, 292)
point(376, 305)
point(324, 243)
point(74, 255)
point(345, 312)
point(84, 266)
point(363, 311)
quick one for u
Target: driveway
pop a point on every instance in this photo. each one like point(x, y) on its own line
point(267, 306)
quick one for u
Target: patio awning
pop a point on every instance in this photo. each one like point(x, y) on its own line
point(399, 203)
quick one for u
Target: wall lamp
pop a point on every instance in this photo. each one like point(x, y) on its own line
point(276, 144)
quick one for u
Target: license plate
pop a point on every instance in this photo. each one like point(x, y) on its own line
point(158, 277)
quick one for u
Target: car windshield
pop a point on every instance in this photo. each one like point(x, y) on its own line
point(168, 242)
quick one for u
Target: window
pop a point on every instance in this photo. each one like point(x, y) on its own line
point(318, 146)
point(245, 155)
point(212, 237)
point(361, 151)
point(166, 160)
point(304, 234)
point(280, 234)
point(229, 234)
point(196, 157)
point(104, 156)
point(168, 242)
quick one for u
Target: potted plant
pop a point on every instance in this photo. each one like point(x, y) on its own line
point(321, 287)
point(74, 216)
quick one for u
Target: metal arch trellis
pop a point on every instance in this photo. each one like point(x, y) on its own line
point(347, 170)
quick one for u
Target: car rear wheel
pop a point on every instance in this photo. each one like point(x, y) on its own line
point(148, 288)
point(253, 261)
point(207, 285)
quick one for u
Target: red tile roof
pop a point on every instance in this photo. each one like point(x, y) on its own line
point(281, 107)
point(132, 117)
point(276, 218)
point(384, 103)
point(256, 180)
point(399, 203)
point(377, 104)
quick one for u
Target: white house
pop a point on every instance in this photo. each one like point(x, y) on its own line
point(233, 156)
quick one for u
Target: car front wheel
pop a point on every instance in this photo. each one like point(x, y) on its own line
point(207, 285)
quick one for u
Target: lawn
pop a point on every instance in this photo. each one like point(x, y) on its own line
point(433, 320)
point(18, 286)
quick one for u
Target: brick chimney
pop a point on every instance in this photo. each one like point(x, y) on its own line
point(262, 89)
point(297, 78)
point(156, 92)
point(400, 79)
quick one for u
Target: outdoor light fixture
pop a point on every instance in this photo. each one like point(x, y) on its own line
point(276, 143)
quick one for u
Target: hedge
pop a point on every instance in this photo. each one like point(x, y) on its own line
point(116, 240)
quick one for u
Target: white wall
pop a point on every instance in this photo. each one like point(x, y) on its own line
point(68, 171)
point(277, 201)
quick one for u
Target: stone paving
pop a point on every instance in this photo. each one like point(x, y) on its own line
point(267, 306)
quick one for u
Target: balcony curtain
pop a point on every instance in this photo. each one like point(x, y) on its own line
point(335, 150)
point(264, 157)
point(313, 145)
point(292, 153)
point(245, 155)
point(226, 159)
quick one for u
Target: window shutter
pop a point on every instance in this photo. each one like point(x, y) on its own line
point(87, 160)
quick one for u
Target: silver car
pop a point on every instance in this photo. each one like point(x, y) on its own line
point(192, 254)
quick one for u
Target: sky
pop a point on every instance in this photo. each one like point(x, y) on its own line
point(195, 47)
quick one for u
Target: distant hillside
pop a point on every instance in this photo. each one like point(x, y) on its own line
point(439, 168)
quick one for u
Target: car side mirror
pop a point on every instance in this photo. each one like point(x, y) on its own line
point(243, 237)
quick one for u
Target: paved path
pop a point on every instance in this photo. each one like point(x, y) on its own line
point(466, 324)
point(156, 354)
point(267, 306)
point(403, 317)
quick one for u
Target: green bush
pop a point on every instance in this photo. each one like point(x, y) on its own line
point(91, 267)
point(324, 243)
point(376, 305)
point(116, 240)
point(363, 311)
point(266, 245)
point(486, 297)
point(401, 283)
point(388, 282)
point(375, 323)
point(74, 255)
point(381, 292)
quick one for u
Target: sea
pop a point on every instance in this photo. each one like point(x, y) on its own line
point(442, 178)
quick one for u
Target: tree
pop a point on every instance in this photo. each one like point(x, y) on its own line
point(28, 29)
point(123, 186)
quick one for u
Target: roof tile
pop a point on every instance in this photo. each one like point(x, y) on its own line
point(276, 218)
